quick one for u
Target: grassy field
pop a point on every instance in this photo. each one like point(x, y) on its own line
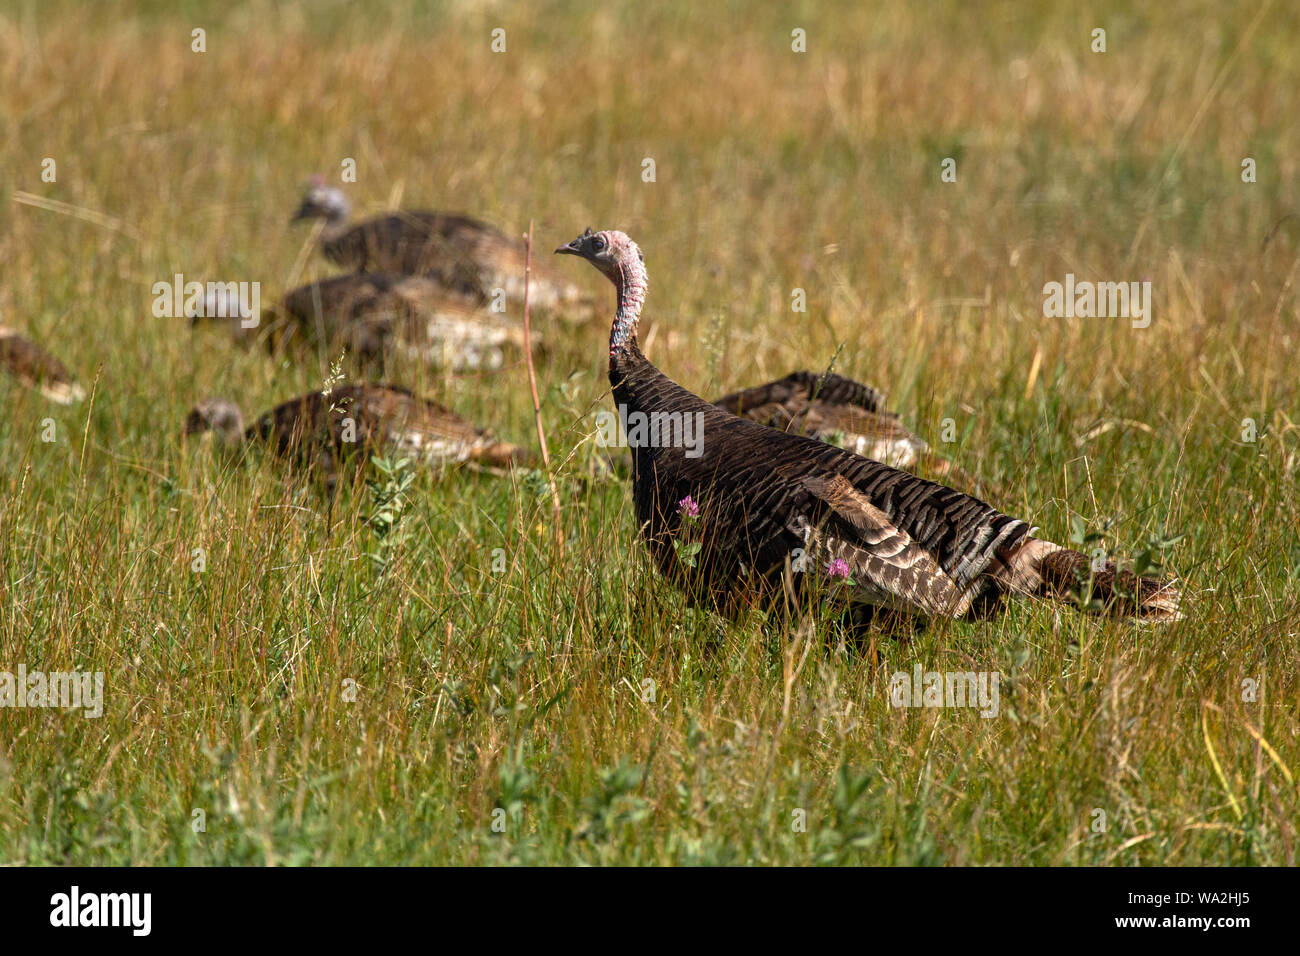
point(323, 694)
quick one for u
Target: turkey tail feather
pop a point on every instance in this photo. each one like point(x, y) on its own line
point(1039, 568)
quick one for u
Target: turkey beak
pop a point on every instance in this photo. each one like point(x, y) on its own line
point(574, 248)
point(305, 211)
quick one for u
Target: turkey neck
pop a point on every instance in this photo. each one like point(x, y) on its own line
point(630, 279)
point(335, 227)
point(639, 386)
point(627, 366)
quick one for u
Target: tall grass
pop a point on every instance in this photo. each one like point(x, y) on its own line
point(316, 706)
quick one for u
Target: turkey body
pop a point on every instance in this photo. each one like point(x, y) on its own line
point(766, 497)
point(379, 315)
point(36, 368)
point(338, 433)
point(384, 419)
point(447, 246)
point(463, 254)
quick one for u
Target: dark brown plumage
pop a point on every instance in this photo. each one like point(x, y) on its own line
point(352, 423)
point(465, 254)
point(768, 500)
point(843, 412)
point(36, 368)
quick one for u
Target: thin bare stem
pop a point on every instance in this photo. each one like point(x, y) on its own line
point(532, 383)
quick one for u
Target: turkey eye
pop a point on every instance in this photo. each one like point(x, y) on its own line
point(598, 244)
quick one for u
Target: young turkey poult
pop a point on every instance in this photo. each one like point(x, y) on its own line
point(464, 254)
point(36, 368)
point(849, 414)
point(353, 422)
point(758, 495)
point(376, 316)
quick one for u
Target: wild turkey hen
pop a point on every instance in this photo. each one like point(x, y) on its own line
point(353, 422)
point(846, 413)
point(36, 368)
point(377, 315)
point(757, 496)
point(464, 254)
